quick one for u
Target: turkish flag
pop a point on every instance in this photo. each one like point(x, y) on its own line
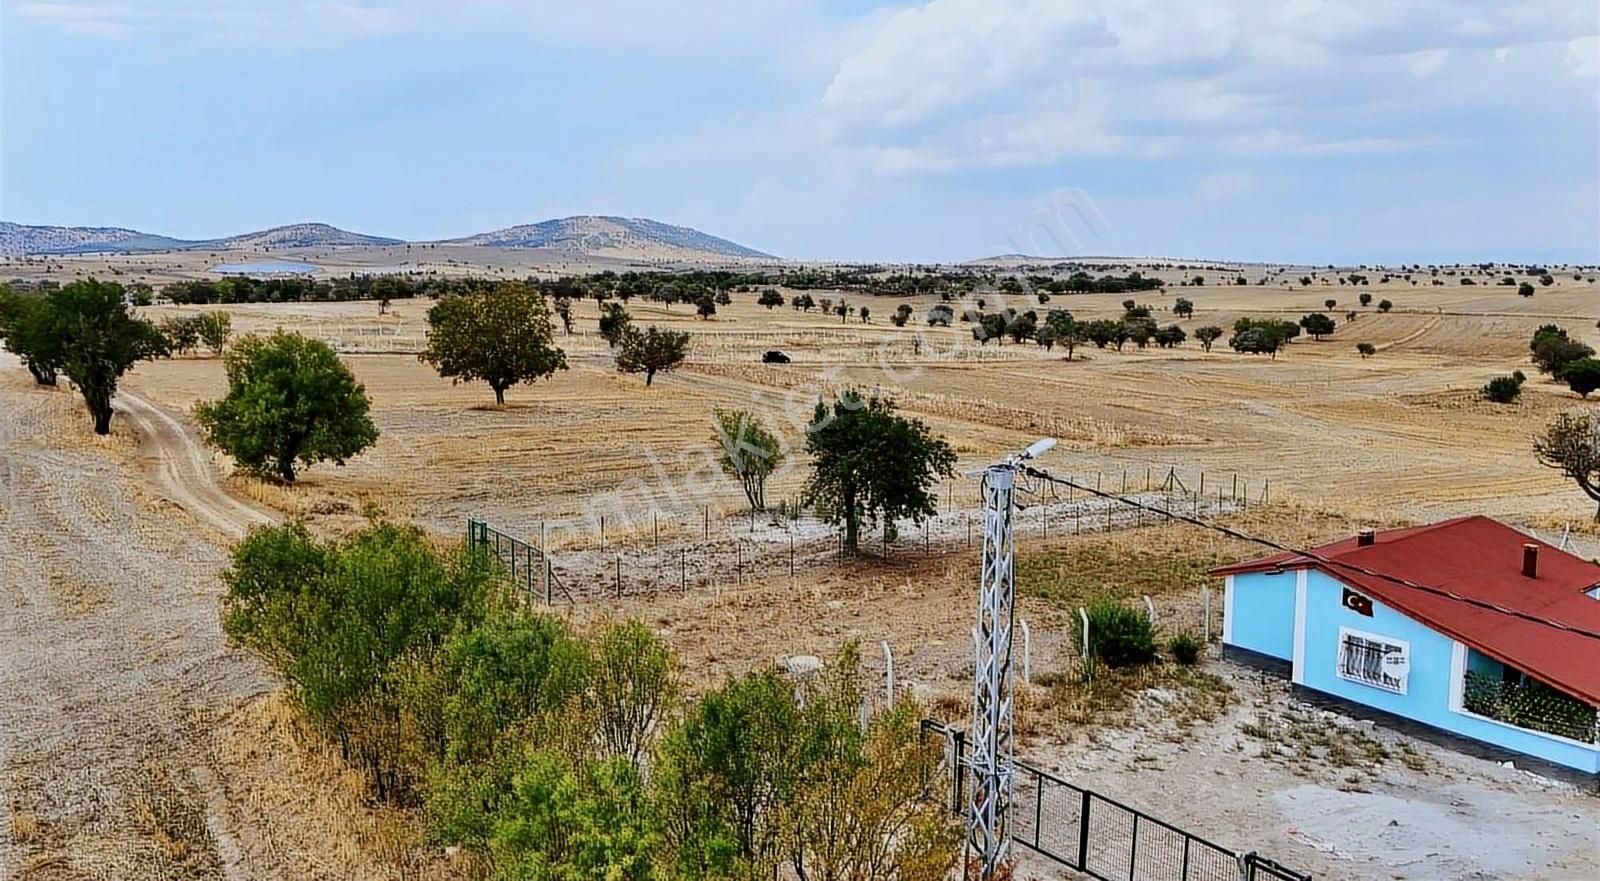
point(1357, 603)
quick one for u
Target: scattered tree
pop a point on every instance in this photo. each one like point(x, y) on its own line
point(770, 298)
point(27, 328)
point(99, 341)
point(872, 465)
point(290, 399)
point(705, 307)
point(1504, 389)
point(500, 335)
point(1183, 307)
point(1525, 290)
point(1365, 299)
point(1208, 335)
point(1318, 325)
point(1385, 305)
point(614, 322)
point(1570, 444)
point(1366, 350)
point(215, 328)
point(1330, 303)
point(651, 351)
point(748, 452)
point(1582, 375)
point(901, 315)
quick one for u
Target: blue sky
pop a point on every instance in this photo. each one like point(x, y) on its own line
point(1306, 130)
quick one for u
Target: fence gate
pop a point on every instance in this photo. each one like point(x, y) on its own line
point(1099, 836)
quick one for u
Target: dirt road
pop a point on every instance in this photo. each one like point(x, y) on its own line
point(112, 663)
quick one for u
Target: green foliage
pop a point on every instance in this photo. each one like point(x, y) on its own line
point(1502, 389)
point(28, 331)
point(901, 315)
point(1525, 290)
point(1318, 325)
point(1208, 335)
point(704, 307)
point(1183, 307)
point(290, 399)
point(749, 452)
point(1385, 305)
point(870, 464)
point(940, 315)
point(99, 340)
point(500, 335)
point(614, 322)
point(1553, 350)
point(651, 351)
point(1366, 350)
point(770, 298)
point(1185, 648)
point(1365, 298)
point(1170, 336)
point(215, 327)
point(1119, 636)
point(1254, 336)
point(333, 618)
point(1582, 375)
point(182, 333)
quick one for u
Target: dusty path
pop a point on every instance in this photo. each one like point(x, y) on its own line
point(183, 470)
point(112, 665)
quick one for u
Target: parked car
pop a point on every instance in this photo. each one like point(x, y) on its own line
point(773, 356)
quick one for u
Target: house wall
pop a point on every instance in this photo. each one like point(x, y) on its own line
point(1433, 685)
point(1260, 613)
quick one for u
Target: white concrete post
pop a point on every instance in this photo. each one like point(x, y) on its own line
point(1027, 651)
point(1150, 608)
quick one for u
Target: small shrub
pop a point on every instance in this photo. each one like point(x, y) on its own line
point(1504, 389)
point(1120, 636)
point(1185, 648)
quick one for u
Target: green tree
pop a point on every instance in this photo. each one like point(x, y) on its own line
point(1365, 299)
point(27, 329)
point(614, 322)
point(1525, 290)
point(290, 399)
point(1170, 336)
point(215, 328)
point(1385, 305)
point(1504, 389)
point(748, 452)
point(1366, 350)
point(1582, 375)
point(769, 298)
point(901, 315)
point(871, 464)
point(651, 351)
point(1318, 325)
point(1553, 350)
point(1208, 335)
point(500, 335)
point(1183, 308)
point(182, 333)
point(1330, 303)
point(563, 310)
point(100, 340)
point(705, 307)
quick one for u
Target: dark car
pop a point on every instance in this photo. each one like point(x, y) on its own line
point(773, 356)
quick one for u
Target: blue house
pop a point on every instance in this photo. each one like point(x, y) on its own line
point(1466, 627)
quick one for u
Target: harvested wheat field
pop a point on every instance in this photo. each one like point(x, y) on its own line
point(135, 743)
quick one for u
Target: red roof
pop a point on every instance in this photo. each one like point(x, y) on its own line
point(1479, 559)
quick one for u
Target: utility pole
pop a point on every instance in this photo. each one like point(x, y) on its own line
point(990, 760)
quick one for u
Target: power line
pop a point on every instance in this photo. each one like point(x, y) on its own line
point(1312, 555)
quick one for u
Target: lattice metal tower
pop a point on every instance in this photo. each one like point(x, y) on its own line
point(990, 760)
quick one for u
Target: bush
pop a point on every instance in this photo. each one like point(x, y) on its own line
point(1186, 648)
point(1120, 636)
point(1503, 389)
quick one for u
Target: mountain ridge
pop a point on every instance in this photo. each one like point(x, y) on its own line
point(584, 234)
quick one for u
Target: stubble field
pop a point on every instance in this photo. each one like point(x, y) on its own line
point(1333, 440)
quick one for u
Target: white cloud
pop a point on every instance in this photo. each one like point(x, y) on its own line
point(950, 84)
point(81, 19)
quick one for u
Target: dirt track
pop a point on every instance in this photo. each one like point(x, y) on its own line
point(112, 663)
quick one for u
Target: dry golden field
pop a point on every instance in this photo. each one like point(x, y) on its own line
point(202, 771)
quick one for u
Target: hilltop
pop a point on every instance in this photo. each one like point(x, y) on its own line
point(580, 236)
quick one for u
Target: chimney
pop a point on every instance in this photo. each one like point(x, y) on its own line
point(1366, 537)
point(1530, 560)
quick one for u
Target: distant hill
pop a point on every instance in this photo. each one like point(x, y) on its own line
point(593, 235)
point(587, 235)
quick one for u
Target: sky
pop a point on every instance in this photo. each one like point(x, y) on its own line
point(1314, 131)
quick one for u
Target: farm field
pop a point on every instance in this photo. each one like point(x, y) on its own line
point(193, 766)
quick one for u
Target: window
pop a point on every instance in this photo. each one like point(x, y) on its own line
point(1378, 661)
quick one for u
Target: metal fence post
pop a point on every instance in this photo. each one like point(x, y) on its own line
point(1083, 833)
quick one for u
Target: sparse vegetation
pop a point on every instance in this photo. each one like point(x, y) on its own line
point(501, 336)
point(749, 452)
point(651, 351)
point(1504, 389)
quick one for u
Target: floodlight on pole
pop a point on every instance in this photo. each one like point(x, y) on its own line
point(990, 761)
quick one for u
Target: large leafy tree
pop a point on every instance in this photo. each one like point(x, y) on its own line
point(1571, 445)
point(290, 399)
point(748, 452)
point(100, 340)
point(650, 351)
point(501, 335)
point(26, 330)
point(873, 465)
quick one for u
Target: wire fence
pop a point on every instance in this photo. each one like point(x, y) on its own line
point(702, 551)
point(1095, 834)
